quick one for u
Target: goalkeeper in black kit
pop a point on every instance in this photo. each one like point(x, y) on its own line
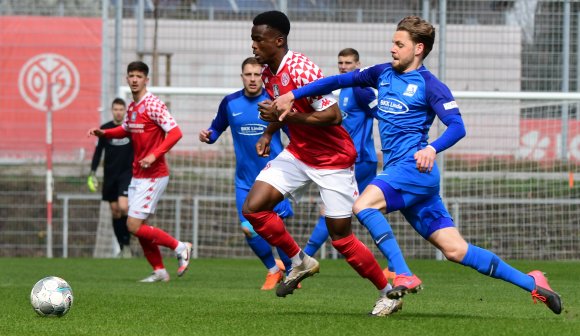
point(117, 175)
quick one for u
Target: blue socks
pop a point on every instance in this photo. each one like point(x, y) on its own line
point(487, 263)
point(382, 234)
point(263, 250)
point(317, 238)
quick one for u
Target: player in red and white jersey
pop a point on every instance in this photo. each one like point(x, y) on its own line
point(320, 152)
point(153, 132)
point(325, 147)
point(148, 120)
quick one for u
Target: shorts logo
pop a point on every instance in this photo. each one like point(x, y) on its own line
point(268, 165)
point(285, 79)
point(411, 90)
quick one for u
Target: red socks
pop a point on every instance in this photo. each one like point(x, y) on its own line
point(152, 253)
point(361, 259)
point(270, 227)
point(157, 236)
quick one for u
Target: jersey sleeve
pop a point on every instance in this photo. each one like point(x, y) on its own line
point(367, 77)
point(220, 122)
point(160, 115)
point(441, 100)
point(306, 72)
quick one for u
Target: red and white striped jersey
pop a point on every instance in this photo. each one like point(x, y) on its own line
point(148, 121)
point(324, 147)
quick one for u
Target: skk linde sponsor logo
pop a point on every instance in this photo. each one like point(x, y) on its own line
point(393, 106)
point(252, 129)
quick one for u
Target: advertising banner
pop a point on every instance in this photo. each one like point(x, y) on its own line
point(49, 63)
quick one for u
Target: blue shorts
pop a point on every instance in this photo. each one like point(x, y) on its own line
point(283, 209)
point(416, 195)
point(364, 172)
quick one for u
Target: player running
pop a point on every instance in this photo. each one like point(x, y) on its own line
point(410, 97)
point(320, 152)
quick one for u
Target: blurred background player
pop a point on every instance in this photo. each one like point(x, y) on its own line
point(239, 111)
point(410, 97)
point(320, 152)
point(153, 133)
point(116, 176)
point(358, 105)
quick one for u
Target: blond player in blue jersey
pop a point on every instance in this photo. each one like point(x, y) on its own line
point(410, 97)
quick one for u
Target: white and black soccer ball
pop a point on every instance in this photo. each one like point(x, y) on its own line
point(51, 296)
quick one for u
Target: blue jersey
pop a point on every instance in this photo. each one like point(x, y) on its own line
point(358, 105)
point(240, 113)
point(407, 105)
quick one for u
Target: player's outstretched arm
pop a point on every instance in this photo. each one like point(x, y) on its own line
point(327, 117)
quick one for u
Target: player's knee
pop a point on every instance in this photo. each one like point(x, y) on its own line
point(357, 207)
point(246, 209)
point(454, 252)
point(133, 224)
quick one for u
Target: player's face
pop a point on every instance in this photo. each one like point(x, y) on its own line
point(406, 53)
point(252, 79)
point(137, 81)
point(118, 111)
point(266, 43)
point(347, 64)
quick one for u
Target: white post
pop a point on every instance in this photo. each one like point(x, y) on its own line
point(49, 177)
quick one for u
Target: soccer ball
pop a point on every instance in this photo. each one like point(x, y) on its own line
point(51, 296)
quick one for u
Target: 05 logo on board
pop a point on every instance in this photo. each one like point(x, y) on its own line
point(46, 72)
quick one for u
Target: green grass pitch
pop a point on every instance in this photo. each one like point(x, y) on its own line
point(222, 297)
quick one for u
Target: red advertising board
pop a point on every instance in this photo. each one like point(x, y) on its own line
point(541, 140)
point(55, 63)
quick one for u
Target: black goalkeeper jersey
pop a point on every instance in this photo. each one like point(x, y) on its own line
point(118, 154)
